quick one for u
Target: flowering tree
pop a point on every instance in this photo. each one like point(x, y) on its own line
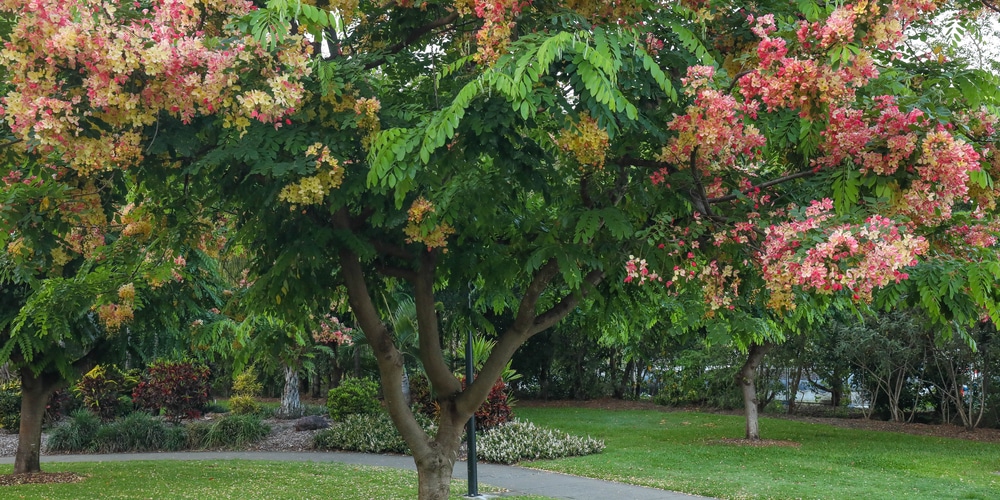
point(524, 148)
point(826, 168)
point(90, 86)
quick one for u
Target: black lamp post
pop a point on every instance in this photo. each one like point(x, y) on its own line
point(471, 427)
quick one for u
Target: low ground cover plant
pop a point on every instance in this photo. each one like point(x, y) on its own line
point(368, 433)
point(519, 440)
point(137, 432)
point(507, 443)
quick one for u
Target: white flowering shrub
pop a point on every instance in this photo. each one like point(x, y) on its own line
point(368, 433)
point(519, 440)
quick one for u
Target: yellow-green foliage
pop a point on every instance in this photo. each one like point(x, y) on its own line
point(246, 384)
point(246, 388)
point(10, 406)
point(243, 405)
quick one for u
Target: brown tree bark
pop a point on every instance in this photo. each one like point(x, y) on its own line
point(435, 457)
point(35, 393)
point(746, 379)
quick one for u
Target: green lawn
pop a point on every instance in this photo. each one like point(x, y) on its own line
point(220, 479)
point(674, 451)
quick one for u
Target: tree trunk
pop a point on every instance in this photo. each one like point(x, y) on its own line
point(746, 379)
point(406, 387)
point(793, 389)
point(291, 404)
point(35, 392)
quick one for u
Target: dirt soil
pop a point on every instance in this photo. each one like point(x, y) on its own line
point(40, 478)
point(936, 430)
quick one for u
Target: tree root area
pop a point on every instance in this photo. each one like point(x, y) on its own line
point(40, 478)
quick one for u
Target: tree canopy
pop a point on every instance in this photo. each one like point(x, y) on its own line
point(753, 164)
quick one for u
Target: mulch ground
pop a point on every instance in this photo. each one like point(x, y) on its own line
point(40, 478)
point(935, 430)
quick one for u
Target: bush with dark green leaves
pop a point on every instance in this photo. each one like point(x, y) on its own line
point(235, 431)
point(368, 433)
point(353, 396)
point(76, 433)
point(10, 406)
point(519, 440)
point(107, 391)
point(138, 432)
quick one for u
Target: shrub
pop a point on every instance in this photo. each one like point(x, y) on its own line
point(179, 388)
point(62, 403)
point(138, 431)
point(77, 433)
point(215, 407)
point(10, 406)
point(244, 405)
point(246, 388)
point(353, 396)
point(106, 391)
point(195, 433)
point(236, 431)
point(421, 397)
point(246, 383)
point(520, 440)
point(496, 409)
point(368, 433)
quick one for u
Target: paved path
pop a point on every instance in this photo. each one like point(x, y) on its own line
point(518, 480)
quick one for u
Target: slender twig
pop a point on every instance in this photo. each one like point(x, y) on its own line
point(763, 185)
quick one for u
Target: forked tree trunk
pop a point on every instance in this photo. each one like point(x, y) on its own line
point(436, 457)
point(35, 393)
point(291, 403)
point(746, 379)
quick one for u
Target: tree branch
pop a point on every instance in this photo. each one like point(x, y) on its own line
point(763, 185)
point(439, 375)
point(413, 37)
point(567, 304)
point(389, 359)
point(641, 162)
point(526, 309)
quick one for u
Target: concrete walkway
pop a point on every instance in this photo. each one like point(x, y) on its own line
point(519, 480)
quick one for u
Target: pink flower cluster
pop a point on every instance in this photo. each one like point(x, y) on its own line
point(79, 62)
point(880, 147)
point(332, 332)
point(815, 254)
point(713, 125)
point(636, 268)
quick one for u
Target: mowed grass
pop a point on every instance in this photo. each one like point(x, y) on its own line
point(222, 479)
point(679, 451)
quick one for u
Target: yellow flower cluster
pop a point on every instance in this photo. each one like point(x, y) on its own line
point(367, 110)
point(311, 190)
point(421, 228)
point(586, 142)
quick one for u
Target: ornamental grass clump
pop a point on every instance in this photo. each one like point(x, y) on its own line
point(139, 431)
point(236, 431)
point(76, 433)
point(519, 440)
